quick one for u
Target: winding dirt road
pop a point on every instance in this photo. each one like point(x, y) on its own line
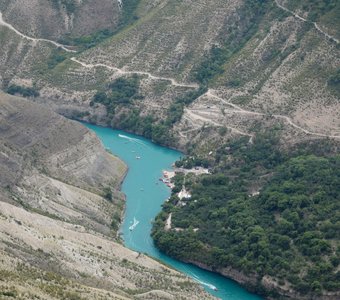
point(4, 23)
point(285, 118)
point(317, 27)
point(124, 72)
point(195, 117)
point(209, 93)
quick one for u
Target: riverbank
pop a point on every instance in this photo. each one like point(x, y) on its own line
point(221, 226)
point(144, 197)
point(254, 284)
point(167, 174)
point(58, 199)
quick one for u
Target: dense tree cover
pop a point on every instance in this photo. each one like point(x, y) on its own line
point(57, 56)
point(122, 91)
point(289, 231)
point(192, 161)
point(88, 41)
point(22, 90)
point(335, 78)
point(148, 126)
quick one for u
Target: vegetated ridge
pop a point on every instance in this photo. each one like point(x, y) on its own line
point(265, 216)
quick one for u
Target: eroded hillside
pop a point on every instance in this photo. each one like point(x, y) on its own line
point(60, 207)
point(272, 60)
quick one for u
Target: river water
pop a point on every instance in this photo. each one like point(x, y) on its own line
point(144, 197)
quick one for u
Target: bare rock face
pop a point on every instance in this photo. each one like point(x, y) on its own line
point(56, 18)
point(56, 238)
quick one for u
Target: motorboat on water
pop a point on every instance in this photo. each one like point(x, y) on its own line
point(133, 226)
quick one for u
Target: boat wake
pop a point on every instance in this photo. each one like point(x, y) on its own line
point(209, 285)
point(133, 226)
point(131, 139)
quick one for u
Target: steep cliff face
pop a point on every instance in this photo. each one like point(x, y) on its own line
point(58, 231)
point(268, 282)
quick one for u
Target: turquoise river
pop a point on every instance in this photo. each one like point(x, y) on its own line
point(145, 195)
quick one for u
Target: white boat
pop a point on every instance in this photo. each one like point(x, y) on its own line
point(209, 285)
point(133, 226)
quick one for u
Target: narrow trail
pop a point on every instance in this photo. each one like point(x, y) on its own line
point(209, 93)
point(196, 117)
point(91, 66)
point(5, 24)
point(285, 118)
point(124, 72)
point(317, 27)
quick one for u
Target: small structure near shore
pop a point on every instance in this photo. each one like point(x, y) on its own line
point(184, 194)
point(167, 175)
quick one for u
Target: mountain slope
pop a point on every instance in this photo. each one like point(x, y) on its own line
point(54, 19)
point(238, 85)
point(59, 211)
point(256, 54)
